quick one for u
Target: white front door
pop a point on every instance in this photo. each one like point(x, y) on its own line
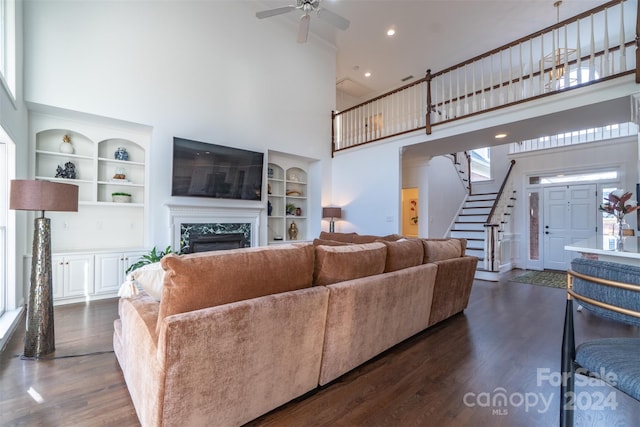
point(569, 216)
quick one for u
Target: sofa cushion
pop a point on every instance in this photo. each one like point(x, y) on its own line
point(441, 249)
point(338, 237)
point(403, 254)
point(317, 242)
point(365, 238)
point(339, 263)
point(207, 279)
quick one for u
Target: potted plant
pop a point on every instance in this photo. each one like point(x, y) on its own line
point(120, 197)
point(153, 256)
point(291, 209)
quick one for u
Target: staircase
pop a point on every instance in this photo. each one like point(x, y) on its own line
point(482, 222)
point(470, 225)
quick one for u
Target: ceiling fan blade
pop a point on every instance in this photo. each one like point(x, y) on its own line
point(274, 12)
point(303, 29)
point(334, 19)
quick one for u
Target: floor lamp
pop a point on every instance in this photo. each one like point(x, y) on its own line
point(331, 212)
point(35, 195)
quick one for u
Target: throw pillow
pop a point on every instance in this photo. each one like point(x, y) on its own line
point(338, 237)
point(317, 242)
point(441, 249)
point(149, 277)
point(403, 254)
point(339, 263)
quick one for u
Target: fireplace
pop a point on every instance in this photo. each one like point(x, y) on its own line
point(215, 242)
point(198, 221)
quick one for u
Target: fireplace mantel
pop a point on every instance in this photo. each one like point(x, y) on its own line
point(192, 214)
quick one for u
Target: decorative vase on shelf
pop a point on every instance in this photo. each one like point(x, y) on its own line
point(121, 154)
point(293, 231)
point(65, 146)
point(620, 233)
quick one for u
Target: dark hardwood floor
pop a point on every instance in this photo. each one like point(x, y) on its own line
point(506, 344)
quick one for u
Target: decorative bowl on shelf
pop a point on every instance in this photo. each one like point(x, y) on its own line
point(121, 198)
point(120, 174)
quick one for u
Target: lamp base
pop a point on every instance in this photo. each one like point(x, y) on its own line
point(332, 226)
point(39, 339)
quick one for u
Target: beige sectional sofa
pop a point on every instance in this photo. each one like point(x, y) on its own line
point(240, 332)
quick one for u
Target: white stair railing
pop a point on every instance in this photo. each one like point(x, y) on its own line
point(496, 219)
point(581, 50)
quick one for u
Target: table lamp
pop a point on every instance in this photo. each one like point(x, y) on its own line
point(35, 195)
point(331, 212)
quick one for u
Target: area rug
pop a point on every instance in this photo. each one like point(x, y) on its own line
point(549, 278)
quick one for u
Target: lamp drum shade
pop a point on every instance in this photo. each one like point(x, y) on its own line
point(331, 212)
point(37, 195)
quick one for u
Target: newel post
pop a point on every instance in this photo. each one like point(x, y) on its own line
point(428, 115)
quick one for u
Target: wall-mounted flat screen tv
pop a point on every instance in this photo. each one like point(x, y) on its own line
point(209, 170)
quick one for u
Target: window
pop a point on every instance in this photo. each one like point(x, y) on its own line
point(579, 177)
point(480, 164)
point(8, 46)
point(4, 197)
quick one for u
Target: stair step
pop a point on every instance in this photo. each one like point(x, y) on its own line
point(477, 244)
point(482, 196)
point(468, 226)
point(464, 218)
point(475, 252)
point(479, 204)
point(468, 234)
point(476, 210)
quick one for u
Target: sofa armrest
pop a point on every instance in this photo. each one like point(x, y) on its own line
point(453, 287)
point(261, 352)
point(135, 346)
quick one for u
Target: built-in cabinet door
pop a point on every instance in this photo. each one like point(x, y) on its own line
point(111, 268)
point(72, 275)
point(78, 275)
point(57, 272)
point(108, 272)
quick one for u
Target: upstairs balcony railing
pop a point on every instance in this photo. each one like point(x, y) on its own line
point(582, 50)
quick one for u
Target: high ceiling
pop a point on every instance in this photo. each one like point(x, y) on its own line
point(437, 34)
point(430, 34)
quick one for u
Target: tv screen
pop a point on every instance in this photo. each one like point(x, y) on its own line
point(209, 170)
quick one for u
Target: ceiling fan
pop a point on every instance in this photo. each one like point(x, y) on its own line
point(307, 6)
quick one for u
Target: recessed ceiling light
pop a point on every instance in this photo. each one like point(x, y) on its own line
point(391, 32)
point(500, 135)
point(367, 74)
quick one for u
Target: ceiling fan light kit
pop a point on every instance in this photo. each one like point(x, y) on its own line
point(307, 6)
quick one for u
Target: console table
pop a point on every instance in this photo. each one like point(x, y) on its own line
point(593, 248)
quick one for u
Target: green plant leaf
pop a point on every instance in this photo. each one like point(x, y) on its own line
point(153, 256)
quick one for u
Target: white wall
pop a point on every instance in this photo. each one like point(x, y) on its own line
point(445, 196)
point(366, 184)
point(204, 70)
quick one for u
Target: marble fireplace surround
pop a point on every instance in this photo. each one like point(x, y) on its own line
point(219, 217)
